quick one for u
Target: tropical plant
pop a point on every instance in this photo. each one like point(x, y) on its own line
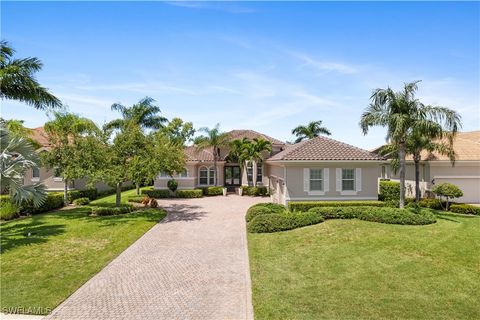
point(213, 139)
point(17, 156)
point(65, 154)
point(143, 114)
point(17, 129)
point(447, 190)
point(179, 132)
point(312, 130)
point(17, 80)
point(401, 113)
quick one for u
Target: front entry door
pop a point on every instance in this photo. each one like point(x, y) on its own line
point(232, 177)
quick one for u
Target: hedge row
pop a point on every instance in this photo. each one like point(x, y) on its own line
point(195, 193)
point(157, 193)
point(9, 210)
point(254, 191)
point(263, 208)
point(81, 201)
point(163, 193)
point(275, 222)
point(307, 205)
point(465, 209)
point(389, 190)
point(212, 191)
point(109, 211)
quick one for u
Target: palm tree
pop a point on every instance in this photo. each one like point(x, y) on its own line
point(401, 113)
point(17, 80)
point(311, 130)
point(18, 155)
point(215, 140)
point(246, 151)
point(144, 114)
point(436, 141)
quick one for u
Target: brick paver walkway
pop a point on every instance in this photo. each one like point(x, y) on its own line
point(192, 265)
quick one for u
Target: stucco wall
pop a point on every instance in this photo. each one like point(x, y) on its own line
point(46, 177)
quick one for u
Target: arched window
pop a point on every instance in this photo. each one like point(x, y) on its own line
point(203, 176)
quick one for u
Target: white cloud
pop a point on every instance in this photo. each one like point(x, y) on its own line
point(324, 65)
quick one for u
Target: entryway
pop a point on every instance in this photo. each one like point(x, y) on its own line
point(233, 177)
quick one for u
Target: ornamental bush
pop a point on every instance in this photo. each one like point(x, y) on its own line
point(447, 190)
point(53, 201)
point(109, 211)
point(263, 208)
point(280, 222)
point(194, 193)
point(465, 209)
point(254, 191)
point(212, 191)
point(307, 205)
point(172, 185)
point(81, 201)
point(73, 195)
point(157, 193)
point(430, 203)
point(389, 191)
point(8, 211)
point(91, 193)
point(338, 212)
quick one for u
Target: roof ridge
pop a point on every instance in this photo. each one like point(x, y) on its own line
point(344, 143)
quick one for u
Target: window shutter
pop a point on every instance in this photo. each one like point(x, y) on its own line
point(326, 179)
point(358, 179)
point(306, 179)
point(338, 179)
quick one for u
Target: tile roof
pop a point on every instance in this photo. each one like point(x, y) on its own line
point(39, 135)
point(323, 149)
point(466, 146)
point(192, 154)
point(251, 134)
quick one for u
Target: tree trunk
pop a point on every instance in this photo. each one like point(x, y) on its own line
point(401, 156)
point(118, 196)
point(137, 187)
point(417, 179)
point(65, 191)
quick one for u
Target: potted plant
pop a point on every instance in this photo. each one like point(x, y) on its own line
point(172, 185)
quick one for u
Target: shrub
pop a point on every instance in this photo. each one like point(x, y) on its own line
point(73, 195)
point(172, 185)
point(280, 222)
point(91, 193)
point(212, 191)
point(263, 208)
point(157, 193)
point(81, 201)
point(254, 191)
point(306, 205)
point(195, 193)
point(136, 199)
point(398, 216)
point(153, 203)
point(430, 203)
point(8, 211)
point(465, 209)
point(447, 190)
point(338, 212)
point(389, 190)
point(109, 211)
point(53, 201)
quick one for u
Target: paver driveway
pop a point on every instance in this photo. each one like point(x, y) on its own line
point(192, 265)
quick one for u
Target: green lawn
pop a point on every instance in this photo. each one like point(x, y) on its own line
point(64, 249)
point(109, 201)
point(351, 269)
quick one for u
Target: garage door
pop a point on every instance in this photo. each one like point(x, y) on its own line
point(469, 186)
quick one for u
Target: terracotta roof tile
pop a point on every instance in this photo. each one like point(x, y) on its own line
point(192, 154)
point(323, 149)
point(251, 134)
point(39, 135)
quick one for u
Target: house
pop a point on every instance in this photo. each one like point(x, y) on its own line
point(51, 178)
point(316, 169)
point(436, 168)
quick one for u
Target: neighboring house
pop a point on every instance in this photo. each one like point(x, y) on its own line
point(436, 168)
point(51, 178)
point(316, 169)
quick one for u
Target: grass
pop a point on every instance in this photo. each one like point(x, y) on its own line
point(64, 249)
point(109, 201)
point(352, 269)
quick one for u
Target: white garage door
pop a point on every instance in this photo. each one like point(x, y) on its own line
point(469, 186)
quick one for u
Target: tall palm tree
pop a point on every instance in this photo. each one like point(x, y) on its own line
point(143, 114)
point(18, 155)
point(401, 113)
point(17, 80)
point(246, 151)
point(213, 139)
point(311, 130)
point(435, 141)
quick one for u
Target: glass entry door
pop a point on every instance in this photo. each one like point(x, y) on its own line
point(233, 177)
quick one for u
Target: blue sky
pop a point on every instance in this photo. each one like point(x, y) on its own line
point(263, 66)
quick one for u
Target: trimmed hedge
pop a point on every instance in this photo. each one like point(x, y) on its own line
point(389, 190)
point(263, 208)
point(307, 205)
point(157, 193)
point(212, 191)
point(136, 199)
point(110, 211)
point(52, 202)
point(430, 203)
point(465, 209)
point(9, 211)
point(195, 193)
point(338, 212)
point(91, 193)
point(73, 195)
point(254, 191)
point(275, 222)
point(81, 201)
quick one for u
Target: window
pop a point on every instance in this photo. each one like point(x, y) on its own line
point(259, 173)
point(348, 179)
point(183, 174)
point(384, 172)
point(249, 171)
point(35, 173)
point(203, 176)
point(211, 176)
point(163, 174)
point(316, 179)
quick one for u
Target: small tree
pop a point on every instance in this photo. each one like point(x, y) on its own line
point(172, 185)
point(447, 190)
